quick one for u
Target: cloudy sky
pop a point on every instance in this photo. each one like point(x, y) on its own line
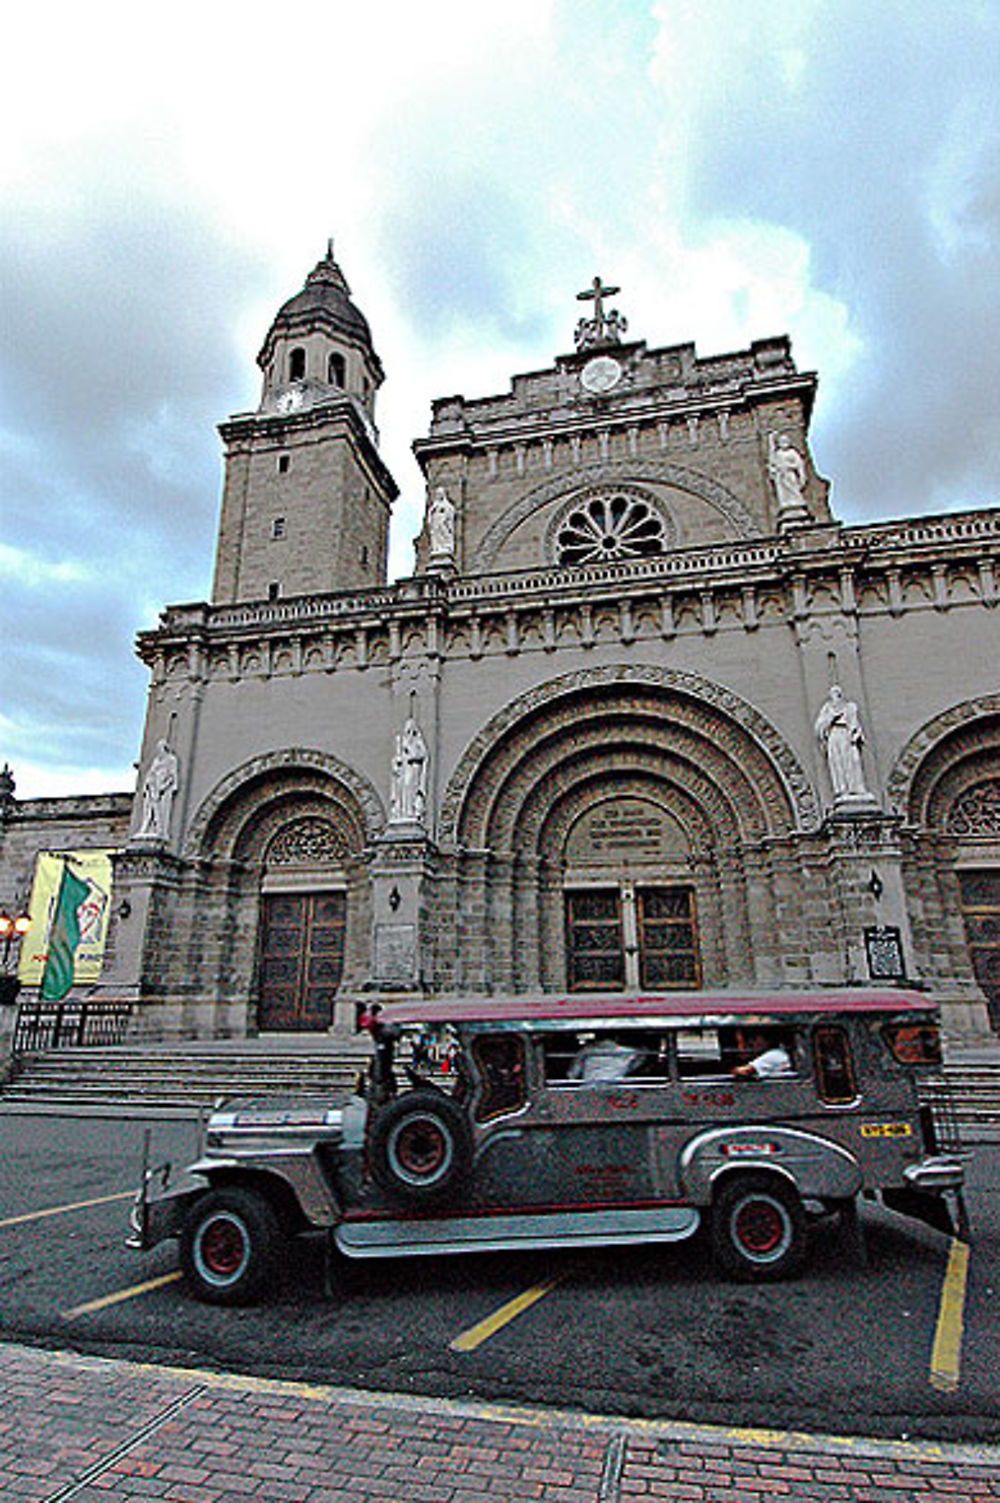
point(169, 174)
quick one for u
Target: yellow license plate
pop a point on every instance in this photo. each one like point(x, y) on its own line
point(886, 1130)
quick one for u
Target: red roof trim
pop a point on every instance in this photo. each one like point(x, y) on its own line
point(591, 1007)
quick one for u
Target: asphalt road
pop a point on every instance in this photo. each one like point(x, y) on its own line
point(644, 1332)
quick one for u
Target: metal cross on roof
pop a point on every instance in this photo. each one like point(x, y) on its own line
point(599, 328)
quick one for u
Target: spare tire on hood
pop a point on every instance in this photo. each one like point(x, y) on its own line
point(420, 1147)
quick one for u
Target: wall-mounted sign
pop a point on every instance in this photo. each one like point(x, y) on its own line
point(625, 830)
point(884, 948)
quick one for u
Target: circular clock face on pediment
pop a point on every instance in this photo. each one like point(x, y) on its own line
point(290, 400)
point(600, 374)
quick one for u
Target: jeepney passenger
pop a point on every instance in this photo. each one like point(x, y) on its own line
point(603, 1058)
point(768, 1057)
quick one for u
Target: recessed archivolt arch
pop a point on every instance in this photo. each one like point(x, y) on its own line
point(584, 477)
point(784, 794)
point(295, 773)
point(947, 755)
point(558, 819)
point(726, 799)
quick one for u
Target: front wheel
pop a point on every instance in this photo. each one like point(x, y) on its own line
point(229, 1246)
point(758, 1228)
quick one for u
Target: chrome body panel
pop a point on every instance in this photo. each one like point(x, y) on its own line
point(818, 1168)
point(411, 1237)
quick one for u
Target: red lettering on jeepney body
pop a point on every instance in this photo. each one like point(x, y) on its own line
point(708, 1098)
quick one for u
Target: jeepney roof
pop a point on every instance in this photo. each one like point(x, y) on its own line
point(666, 1007)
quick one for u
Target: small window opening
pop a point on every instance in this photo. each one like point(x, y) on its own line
point(834, 1065)
point(297, 365)
point(364, 555)
point(337, 370)
point(273, 590)
point(284, 461)
point(501, 1066)
point(278, 527)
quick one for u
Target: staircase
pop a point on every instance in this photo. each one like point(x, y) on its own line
point(181, 1077)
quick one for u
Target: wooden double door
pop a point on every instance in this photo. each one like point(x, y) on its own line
point(301, 960)
point(630, 935)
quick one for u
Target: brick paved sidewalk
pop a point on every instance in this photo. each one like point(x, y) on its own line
point(84, 1430)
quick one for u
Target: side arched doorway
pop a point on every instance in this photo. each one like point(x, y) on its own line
point(286, 843)
point(303, 925)
point(953, 799)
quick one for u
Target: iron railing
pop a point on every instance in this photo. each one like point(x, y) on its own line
point(65, 1025)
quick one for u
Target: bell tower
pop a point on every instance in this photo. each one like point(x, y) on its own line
point(306, 501)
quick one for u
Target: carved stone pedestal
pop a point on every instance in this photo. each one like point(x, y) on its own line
point(403, 865)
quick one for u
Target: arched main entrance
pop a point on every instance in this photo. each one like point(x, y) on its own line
point(617, 830)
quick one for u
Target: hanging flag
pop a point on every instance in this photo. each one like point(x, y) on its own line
point(64, 936)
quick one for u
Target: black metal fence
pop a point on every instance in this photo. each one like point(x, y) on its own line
point(66, 1025)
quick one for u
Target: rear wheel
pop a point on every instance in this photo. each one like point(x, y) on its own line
point(229, 1246)
point(758, 1228)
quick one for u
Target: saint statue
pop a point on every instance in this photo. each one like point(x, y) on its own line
point(158, 788)
point(838, 727)
point(787, 470)
point(441, 525)
point(408, 793)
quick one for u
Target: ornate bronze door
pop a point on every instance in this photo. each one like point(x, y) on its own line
point(981, 910)
point(301, 962)
point(595, 949)
point(668, 942)
point(625, 937)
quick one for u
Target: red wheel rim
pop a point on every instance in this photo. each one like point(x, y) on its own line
point(223, 1246)
point(421, 1149)
point(760, 1227)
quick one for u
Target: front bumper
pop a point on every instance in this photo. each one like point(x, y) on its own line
point(160, 1206)
point(935, 1175)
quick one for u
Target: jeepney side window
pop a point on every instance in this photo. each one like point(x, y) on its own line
point(499, 1059)
point(835, 1081)
point(558, 1053)
point(701, 1052)
point(601, 1055)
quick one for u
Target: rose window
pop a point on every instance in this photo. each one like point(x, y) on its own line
point(609, 526)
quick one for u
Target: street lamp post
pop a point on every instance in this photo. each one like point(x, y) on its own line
point(13, 928)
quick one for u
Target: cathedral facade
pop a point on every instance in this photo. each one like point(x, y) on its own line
point(645, 716)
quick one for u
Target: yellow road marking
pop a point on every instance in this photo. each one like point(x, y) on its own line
point(484, 1329)
point(120, 1296)
point(79, 1205)
point(946, 1355)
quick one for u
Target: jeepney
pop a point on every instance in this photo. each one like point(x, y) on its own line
point(575, 1121)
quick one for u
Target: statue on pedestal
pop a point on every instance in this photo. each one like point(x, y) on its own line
point(408, 792)
point(838, 727)
point(159, 786)
point(787, 470)
point(441, 525)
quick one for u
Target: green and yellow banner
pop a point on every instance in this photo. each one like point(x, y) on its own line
point(69, 909)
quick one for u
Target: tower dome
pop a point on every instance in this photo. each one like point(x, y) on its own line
point(319, 346)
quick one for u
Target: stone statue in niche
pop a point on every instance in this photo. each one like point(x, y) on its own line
point(441, 525)
point(838, 727)
point(159, 786)
point(408, 793)
point(787, 470)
